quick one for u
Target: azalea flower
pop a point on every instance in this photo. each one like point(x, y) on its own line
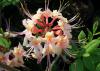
point(49, 43)
point(37, 15)
point(18, 51)
point(56, 14)
point(66, 28)
point(62, 42)
point(14, 58)
point(47, 13)
point(1, 57)
point(35, 49)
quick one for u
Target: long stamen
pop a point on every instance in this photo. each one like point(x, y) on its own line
point(26, 11)
point(69, 53)
point(45, 4)
point(77, 22)
point(28, 52)
point(75, 17)
point(48, 4)
point(60, 6)
point(61, 3)
point(64, 6)
point(8, 25)
point(77, 25)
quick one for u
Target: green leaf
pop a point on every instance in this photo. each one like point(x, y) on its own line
point(1, 31)
point(81, 36)
point(77, 66)
point(4, 42)
point(98, 33)
point(98, 38)
point(96, 41)
point(97, 51)
point(91, 46)
point(88, 63)
point(81, 52)
point(90, 35)
point(96, 58)
point(86, 55)
point(95, 25)
point(14, 2)
point(4, 3)
point(98, 67)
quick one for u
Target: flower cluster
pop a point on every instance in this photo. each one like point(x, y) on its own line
point(46, 33)
point(43, 36)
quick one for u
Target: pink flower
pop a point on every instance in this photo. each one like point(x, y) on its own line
point(49, 40)
point(62, 42)
point(39, 29)
point(14, 58)
point(66, 28)
point(35, 49)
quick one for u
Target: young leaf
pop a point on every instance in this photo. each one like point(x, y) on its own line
point(95, 26)
point(4, 3)
point(91, 46)
point(1, 31)
point(4, 42)
point(77, 66)
point(81, 36)
point(90, 35)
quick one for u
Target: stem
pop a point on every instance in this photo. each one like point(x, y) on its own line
point(48, 63)
point(96, 34)
point(55, 60)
